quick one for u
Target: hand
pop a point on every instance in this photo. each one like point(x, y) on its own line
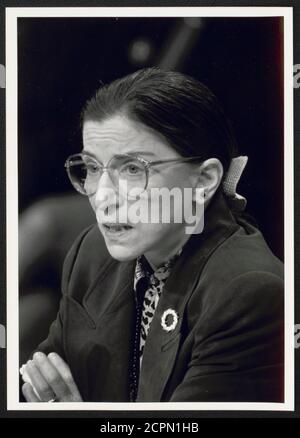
point(48, 378)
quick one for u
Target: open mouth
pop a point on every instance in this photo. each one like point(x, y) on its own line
point(115, 228)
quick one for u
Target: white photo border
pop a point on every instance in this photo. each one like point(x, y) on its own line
point(12, 14)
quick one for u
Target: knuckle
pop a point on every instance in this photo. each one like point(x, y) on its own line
point(55, 380)
point(44, 388)
point(30, 366)
point(68, 379)
point(39, 357)
point(29, 363)
point(52, 355)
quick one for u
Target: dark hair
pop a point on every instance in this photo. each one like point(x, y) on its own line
point(175, 105)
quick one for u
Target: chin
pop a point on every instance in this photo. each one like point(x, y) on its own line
point(122, 254)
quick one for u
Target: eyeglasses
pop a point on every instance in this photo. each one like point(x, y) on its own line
point(85, 171)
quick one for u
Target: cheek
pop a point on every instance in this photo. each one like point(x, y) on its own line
point(172, 178)
point(92, 202)
point(157, 233)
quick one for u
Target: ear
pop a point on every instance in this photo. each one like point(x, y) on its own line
point(208, 177)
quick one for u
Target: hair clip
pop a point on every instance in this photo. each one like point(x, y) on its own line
point(232, 177)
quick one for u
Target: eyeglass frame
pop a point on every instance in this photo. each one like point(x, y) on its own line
point(146, 163)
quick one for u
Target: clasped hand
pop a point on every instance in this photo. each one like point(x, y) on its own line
point(48, 379)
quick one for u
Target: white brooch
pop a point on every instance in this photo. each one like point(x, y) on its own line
point(169, 320)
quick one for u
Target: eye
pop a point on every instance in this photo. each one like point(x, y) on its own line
point(132, 169)
point(91, 167)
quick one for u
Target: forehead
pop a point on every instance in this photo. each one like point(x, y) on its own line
point(119, 134)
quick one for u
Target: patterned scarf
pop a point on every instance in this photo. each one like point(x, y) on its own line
point(153, 282)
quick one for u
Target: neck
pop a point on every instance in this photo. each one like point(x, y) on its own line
point(157, 259)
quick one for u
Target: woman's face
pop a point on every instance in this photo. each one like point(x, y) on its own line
point(157, 241)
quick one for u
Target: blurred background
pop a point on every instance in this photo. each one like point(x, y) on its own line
point(61, 63)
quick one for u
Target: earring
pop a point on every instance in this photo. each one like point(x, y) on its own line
point(200, 195)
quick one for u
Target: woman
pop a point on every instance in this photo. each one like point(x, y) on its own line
point(151, 312)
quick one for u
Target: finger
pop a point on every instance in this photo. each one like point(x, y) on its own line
point(42, 387)
point(66, 374)
point(29, 393)
point(52, 376)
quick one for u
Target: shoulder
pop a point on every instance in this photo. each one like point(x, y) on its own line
point(86, 258)
point(244, 255)
point(242, 276)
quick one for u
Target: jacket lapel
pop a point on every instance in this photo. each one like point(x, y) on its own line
point(161, 346)
point(113, 287)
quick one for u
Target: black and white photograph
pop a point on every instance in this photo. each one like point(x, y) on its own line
point(150, 217)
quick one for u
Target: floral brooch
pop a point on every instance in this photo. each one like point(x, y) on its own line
point(169, 320)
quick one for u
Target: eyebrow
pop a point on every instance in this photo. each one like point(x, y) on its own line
point(133, 153)
point(140, 153)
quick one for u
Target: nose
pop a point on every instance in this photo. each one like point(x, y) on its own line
point(106, 196)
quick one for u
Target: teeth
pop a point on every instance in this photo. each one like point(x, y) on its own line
point(117, 228)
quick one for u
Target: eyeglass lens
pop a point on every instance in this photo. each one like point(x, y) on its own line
point(126, 173)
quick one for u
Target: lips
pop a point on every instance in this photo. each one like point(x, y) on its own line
point(116, 228)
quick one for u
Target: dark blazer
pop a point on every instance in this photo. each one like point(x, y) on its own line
point(227, 289)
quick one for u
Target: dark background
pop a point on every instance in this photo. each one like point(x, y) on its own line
point(89, 421)
point(63, 60)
